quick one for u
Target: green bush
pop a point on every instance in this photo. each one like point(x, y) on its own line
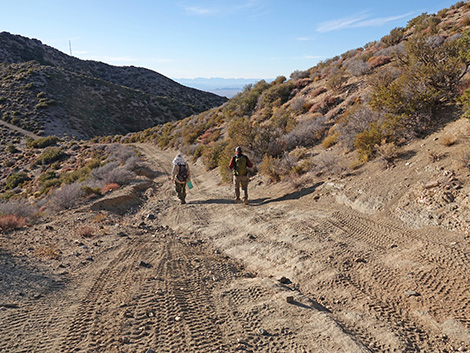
point(42, 142)
point(395, 37)
point(51, 155)
point(15, 180)
point(12, 149)
point(47, 176)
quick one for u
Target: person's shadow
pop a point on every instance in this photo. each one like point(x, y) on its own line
point(292, 196)
point(212, 201)
point(263, 201)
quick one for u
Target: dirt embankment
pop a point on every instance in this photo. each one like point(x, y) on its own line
point(293, 271)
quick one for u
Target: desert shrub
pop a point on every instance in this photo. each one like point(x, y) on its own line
point(244, 103)
point(91, 191)
point(12, 149)
point(306, 133)
point(16, 179)
point(212, 153)
point(241, 131)
point(354, 121)
point(49, 184)
point(395, 36)
point(110, 187)
point(302, 167)
point(377, 61)
point(464, 100)
point(317, 91)
point(367, 141)
point(302, 82)
point(388, 152)
point(383, 77)
point(266, 141)
point(424, 21)
point(223, 162)
point(327, 163)
point(19, 207)
point(42, 142)
point(68, 196)
point(336, 81)
point(439, 64)
point(85, 232)
point(297, 75)
point(11, 221)
point(113, 173)
point(50, 155)
point(357, 67)
point(278, 90)
point(120, 152)
point(298, 105)
point(442, 13)
point(330, 140)
point(282, 119)
point(47, 175)
point(269, 168)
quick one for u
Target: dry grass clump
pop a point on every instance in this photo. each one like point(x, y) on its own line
point(388, 152)
point(448, 140)
point(99, 218)
point(48, 252)
point(11, 221)
point(86, 232)
point(435, 156)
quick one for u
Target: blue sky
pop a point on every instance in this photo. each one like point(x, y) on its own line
point(209, 38)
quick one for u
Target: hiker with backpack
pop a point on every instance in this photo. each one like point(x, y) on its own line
point(180, 176)
point(239, 164)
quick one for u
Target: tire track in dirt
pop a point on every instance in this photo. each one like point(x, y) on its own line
point(87, 326)
point(442, 274)
point(38, 317)
point(365, 264)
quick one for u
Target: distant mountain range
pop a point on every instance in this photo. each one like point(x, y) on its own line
point(48, 92)
point(226, 87)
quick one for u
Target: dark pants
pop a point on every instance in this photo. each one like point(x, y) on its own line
point(181, 191)
point(242, 181)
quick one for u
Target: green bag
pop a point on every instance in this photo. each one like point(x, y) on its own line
point(190, 185)
point(240, 165)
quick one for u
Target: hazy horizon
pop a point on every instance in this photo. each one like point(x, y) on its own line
point(209, 38)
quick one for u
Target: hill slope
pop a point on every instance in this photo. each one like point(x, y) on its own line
point(47, 91)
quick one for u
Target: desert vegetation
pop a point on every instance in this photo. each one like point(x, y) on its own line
point(51, 174)
point(368, 101)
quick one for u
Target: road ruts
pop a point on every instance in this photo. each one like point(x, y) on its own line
point(36, 326)
point(437, 271)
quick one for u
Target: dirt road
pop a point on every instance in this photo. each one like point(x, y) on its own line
point(290, 272)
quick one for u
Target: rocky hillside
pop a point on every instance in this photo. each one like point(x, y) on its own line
point(48, 92)
point(362, 108)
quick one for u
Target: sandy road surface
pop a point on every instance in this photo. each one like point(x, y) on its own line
point(387, 287)
point(204, 277)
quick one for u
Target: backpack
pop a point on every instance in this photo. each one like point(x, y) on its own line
point(182, 173)
point(240, 165)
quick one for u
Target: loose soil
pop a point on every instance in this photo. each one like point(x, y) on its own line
point(293, 271)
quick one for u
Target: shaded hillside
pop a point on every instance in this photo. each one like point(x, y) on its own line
point(87, 98)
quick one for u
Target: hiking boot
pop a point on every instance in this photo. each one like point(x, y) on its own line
point(245, 201)
point(238, 201)
point(183, 202)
